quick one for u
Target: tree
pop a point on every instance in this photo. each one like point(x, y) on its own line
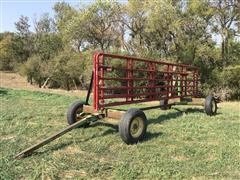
point(226, 14)
point(60, 48)
point(95, 26)
point(47, 42)
point(8, 54)
point(134, 19)
point(63, 13)
point(194, 35)
point(162, 28)
point(24, 36)
point(23, 26)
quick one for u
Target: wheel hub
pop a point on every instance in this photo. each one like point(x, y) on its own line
point(79, 114)
point(136, 127)
point(213, 106)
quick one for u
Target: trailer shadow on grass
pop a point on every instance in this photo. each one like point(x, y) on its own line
point(113, 129)
point(174, 115)
point(3, 91)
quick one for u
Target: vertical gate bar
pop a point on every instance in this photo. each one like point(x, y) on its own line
point(127, 72)
point(197, 93)
point(194, 82)
point(168, 87)
point(154, 77)
point(101, 83)
point(181, 81)
point(171, 80)
point(130, 78)
point(185, 82)
point(150, 78)
point(131, 74)
point(198, 81)
point(96, 82)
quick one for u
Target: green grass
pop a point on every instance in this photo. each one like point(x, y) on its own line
point(181, 143)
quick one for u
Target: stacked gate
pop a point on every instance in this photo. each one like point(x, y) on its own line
point(120, 80)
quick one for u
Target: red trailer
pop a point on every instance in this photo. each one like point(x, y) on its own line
point(120, 80)
point(123, 80)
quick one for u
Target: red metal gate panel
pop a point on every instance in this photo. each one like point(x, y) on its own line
point(120, 80)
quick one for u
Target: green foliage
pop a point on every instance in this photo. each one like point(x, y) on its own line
point(11, 53)
point(230, 78)
point(25, 38)
point(6, 54)
point(46, 41)
point(182, 31)
point(35, 70)
point(64, 13)
point(48, 45)
point(66, 67)
point(95, 26)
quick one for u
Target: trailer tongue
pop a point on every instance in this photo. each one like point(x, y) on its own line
point(86, 120)
point(123, 80)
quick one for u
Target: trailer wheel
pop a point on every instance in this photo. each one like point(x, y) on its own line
point(133, 126)
point(74, 112)
point(210, 105)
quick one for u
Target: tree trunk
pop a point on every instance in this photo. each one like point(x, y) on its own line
point(45, 83)
point(75, 85)
point(223, 53)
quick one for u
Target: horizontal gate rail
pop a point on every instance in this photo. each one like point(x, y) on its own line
point(120, 80)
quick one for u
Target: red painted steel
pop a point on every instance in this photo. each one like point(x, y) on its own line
point(120, 80)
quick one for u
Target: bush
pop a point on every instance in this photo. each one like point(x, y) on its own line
point(224, 83)
point(7, 53)
point(35, 70)
point(69, 68)
point(230, 79)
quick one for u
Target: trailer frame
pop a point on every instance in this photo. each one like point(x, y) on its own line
point(165, 82)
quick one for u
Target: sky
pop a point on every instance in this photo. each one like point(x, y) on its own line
point(11, 10)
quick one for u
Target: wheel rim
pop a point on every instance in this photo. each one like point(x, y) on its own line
point(213, 106)
point(136, 127)
point(79, 114)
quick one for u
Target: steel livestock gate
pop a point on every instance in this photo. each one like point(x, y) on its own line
point(140, 80)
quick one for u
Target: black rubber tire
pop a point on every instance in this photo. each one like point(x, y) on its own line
point(210, 105)
point(73, 109)
point(125, 124)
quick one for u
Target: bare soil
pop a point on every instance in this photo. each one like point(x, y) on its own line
point(15, 81)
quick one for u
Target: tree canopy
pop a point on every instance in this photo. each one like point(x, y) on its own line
point(199, 32)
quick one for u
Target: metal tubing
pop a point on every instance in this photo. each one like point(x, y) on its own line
point(140, 80)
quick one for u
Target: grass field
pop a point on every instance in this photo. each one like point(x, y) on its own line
point(181, 143)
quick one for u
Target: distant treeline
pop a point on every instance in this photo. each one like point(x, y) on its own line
point(58, 53)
